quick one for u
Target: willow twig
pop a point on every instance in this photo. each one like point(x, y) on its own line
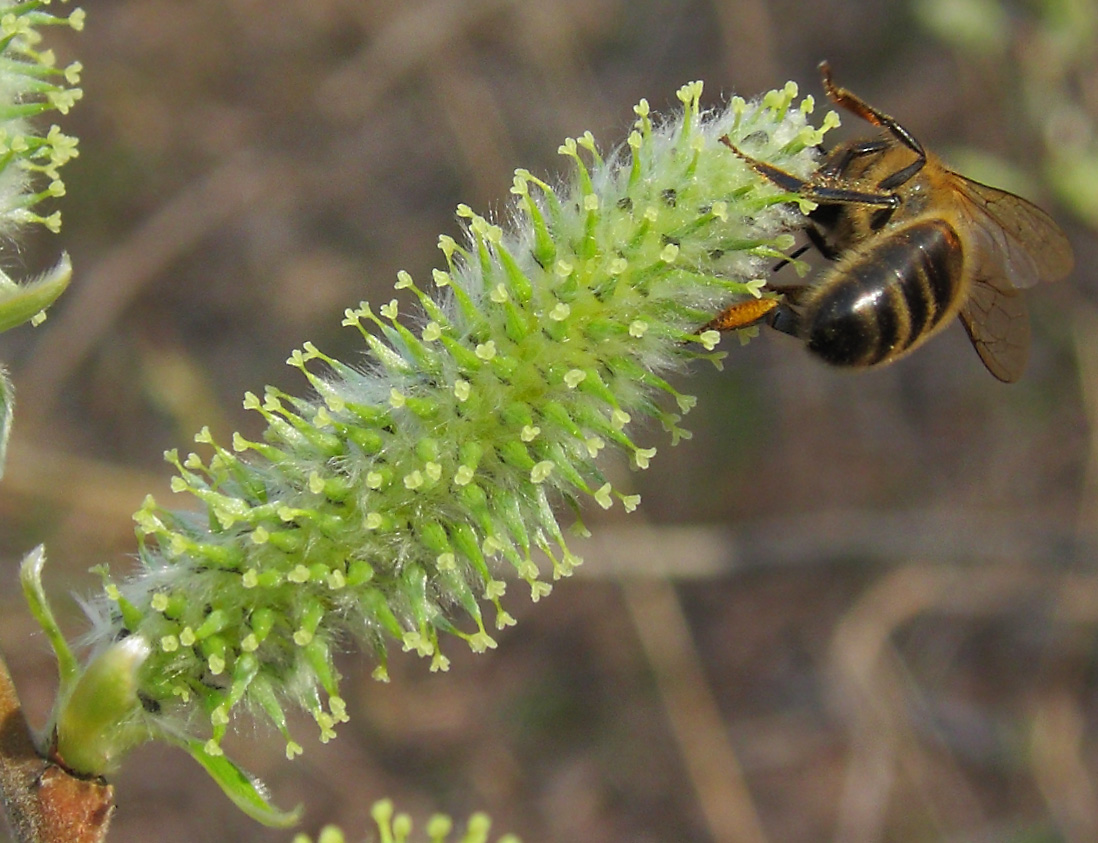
point(43, 803)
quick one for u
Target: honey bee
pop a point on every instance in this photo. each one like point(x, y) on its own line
point(914, 244)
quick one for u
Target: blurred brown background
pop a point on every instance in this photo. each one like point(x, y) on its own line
point(852, 608)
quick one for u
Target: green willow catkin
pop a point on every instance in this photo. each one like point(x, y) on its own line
point(397, 502)
point(31, 85)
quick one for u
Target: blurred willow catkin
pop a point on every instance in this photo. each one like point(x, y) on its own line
point(31, 85)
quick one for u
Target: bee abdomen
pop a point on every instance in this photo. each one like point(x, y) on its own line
point(884, 300)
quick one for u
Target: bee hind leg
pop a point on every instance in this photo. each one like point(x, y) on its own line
point(741, 315)
point(781, 314)
point(785, 318)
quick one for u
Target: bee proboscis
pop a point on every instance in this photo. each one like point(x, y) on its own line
point(914, 244)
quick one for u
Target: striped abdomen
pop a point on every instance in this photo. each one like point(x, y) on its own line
point(887, 298)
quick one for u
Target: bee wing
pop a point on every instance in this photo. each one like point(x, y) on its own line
point(1018, 244)
point(998, 325)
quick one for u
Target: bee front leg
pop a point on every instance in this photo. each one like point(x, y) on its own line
point(823, 193)
point(856, 105)
point(836, 165)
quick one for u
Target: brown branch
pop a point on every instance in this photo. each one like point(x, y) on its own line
point(43, 802)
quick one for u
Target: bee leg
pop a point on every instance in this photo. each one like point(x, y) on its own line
point(816, 192)
point(842, 196)
point(781, 314)
point(856, 105)
point(741, 314)
point(785, 319)
point(816, 236)
point(780, 177)
point(837, 169)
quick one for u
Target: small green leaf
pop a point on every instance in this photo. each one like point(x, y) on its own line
point(246, 791)
point(21, 303)
point(30, 577)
